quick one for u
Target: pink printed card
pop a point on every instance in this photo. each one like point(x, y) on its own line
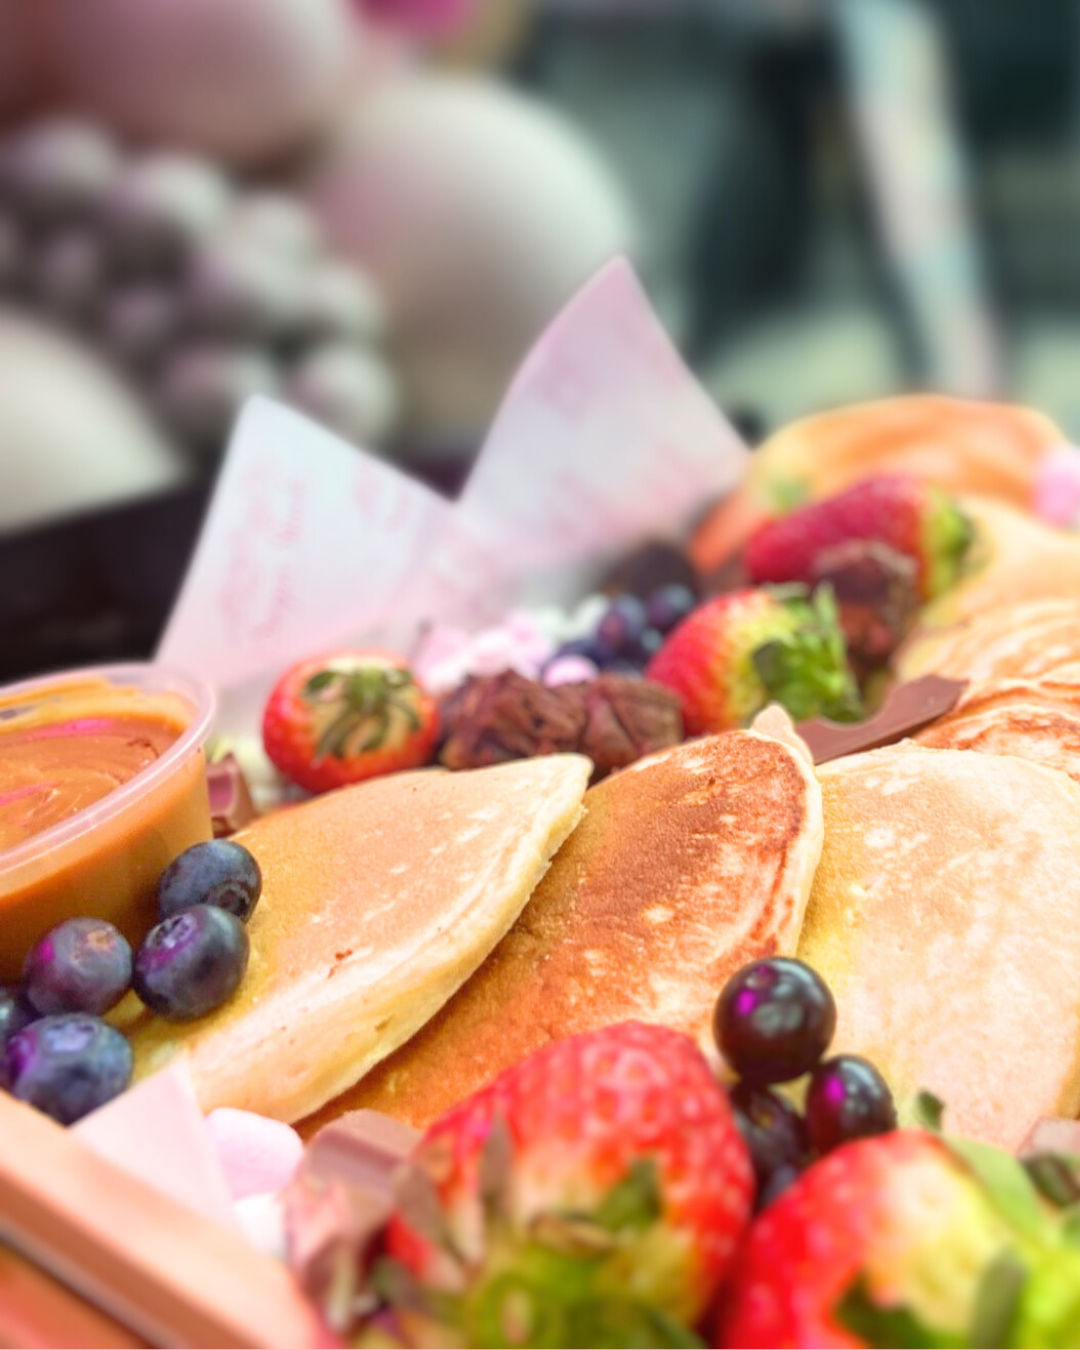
point(604, 440)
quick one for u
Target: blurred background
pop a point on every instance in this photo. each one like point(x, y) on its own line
point(369, 209)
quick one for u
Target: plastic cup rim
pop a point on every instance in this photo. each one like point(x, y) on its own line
point(157, 679)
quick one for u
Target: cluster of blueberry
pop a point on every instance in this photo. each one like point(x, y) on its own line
point(56, 1051)
point(631, 630)
point(773, 1023)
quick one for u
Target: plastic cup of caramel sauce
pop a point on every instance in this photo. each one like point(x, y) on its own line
point(102, 784)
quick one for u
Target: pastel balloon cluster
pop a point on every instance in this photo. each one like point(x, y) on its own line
point(525, 641)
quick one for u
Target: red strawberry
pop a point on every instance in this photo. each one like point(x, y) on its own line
point(739, 652)
point(593, 1194)
point(905, 1240)
point(339, 719)
point(914, 518)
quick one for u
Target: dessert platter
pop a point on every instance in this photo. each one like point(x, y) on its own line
point(688, 956)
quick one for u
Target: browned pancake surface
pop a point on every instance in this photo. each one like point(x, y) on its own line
point(1043, 735)
point(378, 902)
point(945, 918)
point(685, 867)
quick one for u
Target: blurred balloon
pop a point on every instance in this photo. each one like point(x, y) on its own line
point(52, 169)
point(201, 388)
point(72, 436)
point(477, 212)
point(347, 389)
point(425, 16)
point(247, 80)
point(20, 62)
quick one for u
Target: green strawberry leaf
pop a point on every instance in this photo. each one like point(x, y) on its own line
point(1007, 1184)
point(366, 694)
point(1049, 1310)
point(672, 1332)
point(318, 682)
point(515, 1311)
point(929, 1112)
point(997, 1303)
point(398, 1287)
point(379, 732)
point(804, 665)
point(788, 494)
point(890, 1328)
point(633, 1203)
point(1056, 1176)
point(948, 534)
point(335, 737)
point(620, 1323)
point(1070, 1226)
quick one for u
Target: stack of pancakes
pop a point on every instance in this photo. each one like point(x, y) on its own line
point(945, 916)
point(422, 932)
point(384, 921)
point(946, 909)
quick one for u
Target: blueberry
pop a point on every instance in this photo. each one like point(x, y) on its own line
point(81, 965)
point(774, 1020)
point(586, 647)
point(669, 606)
point(219, 872)
point(776, 1185)
point(847, 1099)
point(191, 962)
point(15, 1013)
point(621, 626)
point(773, 1131)
point(67, 1065)
point(646, 646)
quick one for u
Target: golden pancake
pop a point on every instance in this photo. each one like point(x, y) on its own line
point(378, 902)
point(945, 916)
point(1009, 642)
point(1014, 559)
point(687, 865)
point(1058, 688)
point(1044, 736)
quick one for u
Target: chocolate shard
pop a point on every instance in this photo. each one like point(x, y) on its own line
point(651, 566)
point(231, 804)
point(1051, 1134)
point(907, 708)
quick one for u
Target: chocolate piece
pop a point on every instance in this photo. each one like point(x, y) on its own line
point(651, 566)
point(877, 594)
point(731, 575)
point(1051, 1134)
point(337, 1206)
point(494, 718)
point(626, 719)
point(614, 720)
point(907, 708)
point(231, 805)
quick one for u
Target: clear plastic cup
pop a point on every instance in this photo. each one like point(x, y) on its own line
point(105, 859)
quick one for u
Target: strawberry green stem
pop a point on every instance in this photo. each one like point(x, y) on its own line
point(805, 668)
